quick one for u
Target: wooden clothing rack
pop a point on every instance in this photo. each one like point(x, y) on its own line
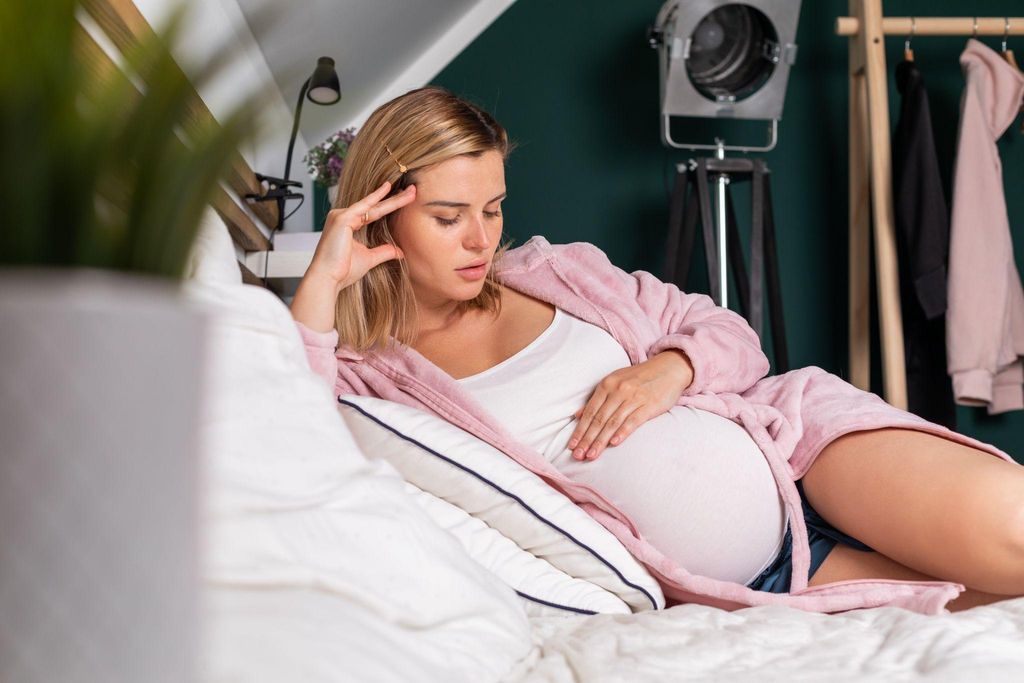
point(870, 182)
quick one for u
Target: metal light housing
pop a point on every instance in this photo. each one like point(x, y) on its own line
point(723, 59)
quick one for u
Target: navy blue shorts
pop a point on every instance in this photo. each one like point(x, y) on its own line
point(822, 537)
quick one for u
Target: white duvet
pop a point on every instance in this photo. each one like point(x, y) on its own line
point(772, 643)
point(319, 567)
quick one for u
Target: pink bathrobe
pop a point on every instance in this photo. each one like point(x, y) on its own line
point(985, 320)
point(791, 417)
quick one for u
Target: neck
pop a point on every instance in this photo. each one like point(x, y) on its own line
point(437, 315)
point(433, 316)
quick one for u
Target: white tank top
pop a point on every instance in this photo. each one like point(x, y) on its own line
point(695, 483)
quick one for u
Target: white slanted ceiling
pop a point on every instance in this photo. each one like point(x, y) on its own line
point(381, 48)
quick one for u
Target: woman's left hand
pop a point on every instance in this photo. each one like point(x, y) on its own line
point(626, 399)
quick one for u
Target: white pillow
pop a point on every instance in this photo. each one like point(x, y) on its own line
point(457, 467)
point(545, 591)
point(318, 564)
point(212, 256)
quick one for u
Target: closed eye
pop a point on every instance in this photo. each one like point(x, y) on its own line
point(453, 221)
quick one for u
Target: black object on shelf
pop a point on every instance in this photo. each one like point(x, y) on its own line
point(323, 88)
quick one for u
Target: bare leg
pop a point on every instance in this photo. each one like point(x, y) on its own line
point(924, 503)
point(845, 563)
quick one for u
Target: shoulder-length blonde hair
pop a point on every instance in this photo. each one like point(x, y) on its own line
point(422, 127)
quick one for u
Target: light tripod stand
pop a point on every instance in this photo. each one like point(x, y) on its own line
point(691, 205)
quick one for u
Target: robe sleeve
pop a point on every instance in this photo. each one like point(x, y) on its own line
point(320, 351)
point(339, 367)
point(723, 349)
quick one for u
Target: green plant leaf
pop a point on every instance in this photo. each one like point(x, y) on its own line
point(94, 172)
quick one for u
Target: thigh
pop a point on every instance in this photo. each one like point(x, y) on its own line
point(845, 563)
point(928, 503)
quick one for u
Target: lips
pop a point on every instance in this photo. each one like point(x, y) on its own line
point(474, 272)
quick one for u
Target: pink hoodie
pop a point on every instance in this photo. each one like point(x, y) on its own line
point(791, 417)
point(985, 320)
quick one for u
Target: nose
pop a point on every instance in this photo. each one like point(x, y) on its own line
point(476, 238)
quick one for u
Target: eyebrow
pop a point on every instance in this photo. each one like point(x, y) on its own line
point(459, 205)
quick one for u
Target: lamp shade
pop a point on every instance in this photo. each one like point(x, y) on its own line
point(722, 59)
point(324, 87)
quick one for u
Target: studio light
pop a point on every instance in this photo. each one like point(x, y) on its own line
point(721, 59)
point(726, 60)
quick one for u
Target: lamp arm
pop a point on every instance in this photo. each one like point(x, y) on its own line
point(295, 128)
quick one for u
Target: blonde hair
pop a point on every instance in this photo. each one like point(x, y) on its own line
point(422, 127)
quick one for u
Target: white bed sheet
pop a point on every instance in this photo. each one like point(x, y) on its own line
point(311, 634)
point(769, 643)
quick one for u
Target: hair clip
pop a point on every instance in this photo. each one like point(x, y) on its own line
point(401, 167)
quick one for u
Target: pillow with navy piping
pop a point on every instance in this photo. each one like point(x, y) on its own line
point(544, 590)
point(442, 459)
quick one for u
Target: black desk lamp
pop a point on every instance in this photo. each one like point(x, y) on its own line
point(322, 88)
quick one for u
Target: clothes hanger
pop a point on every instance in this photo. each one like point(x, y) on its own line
point(908, 52)
point(1008, 54)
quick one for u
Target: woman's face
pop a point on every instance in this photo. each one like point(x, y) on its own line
point(450, 231)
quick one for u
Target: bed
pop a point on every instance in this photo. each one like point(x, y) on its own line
point(352, 540)
point(349, 539)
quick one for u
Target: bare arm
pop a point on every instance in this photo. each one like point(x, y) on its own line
point(340, 260)
point(313, 304)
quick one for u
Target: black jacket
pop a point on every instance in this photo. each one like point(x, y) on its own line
point(922, 244)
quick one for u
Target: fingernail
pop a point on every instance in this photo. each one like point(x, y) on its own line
point(591, 453)
point(578, 453)
point(572, 444)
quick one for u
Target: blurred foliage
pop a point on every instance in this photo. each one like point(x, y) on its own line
point(93, 172)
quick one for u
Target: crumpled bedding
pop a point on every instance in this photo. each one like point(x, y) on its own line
point(693, 642)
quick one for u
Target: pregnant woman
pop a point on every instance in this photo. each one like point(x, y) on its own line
point(646, 405)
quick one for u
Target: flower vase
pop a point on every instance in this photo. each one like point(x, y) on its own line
point(99, 477)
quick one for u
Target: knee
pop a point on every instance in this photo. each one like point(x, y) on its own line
point(1011, 572)
point(1015, 532)
point(991, 553)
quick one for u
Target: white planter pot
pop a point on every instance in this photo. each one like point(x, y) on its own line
point(99, 404)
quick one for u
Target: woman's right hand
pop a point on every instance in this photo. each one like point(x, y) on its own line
point(339, 257)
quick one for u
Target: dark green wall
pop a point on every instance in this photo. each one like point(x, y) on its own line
point(576, 85)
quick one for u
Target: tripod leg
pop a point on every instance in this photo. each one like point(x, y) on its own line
point(739, 269)
point(774, 285)
point(708, 229)
point(685, 253)
point(757, 247)
point(675, 220)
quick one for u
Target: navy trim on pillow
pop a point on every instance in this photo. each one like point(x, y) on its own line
point(654, 603)
point(567, 608)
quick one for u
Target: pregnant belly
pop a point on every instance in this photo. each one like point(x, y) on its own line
point(697, 487)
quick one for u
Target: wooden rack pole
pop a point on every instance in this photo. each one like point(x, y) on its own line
point(936, 26)
point(859, 258)
point(869, 113)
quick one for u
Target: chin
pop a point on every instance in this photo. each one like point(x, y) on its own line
point(469, 294)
